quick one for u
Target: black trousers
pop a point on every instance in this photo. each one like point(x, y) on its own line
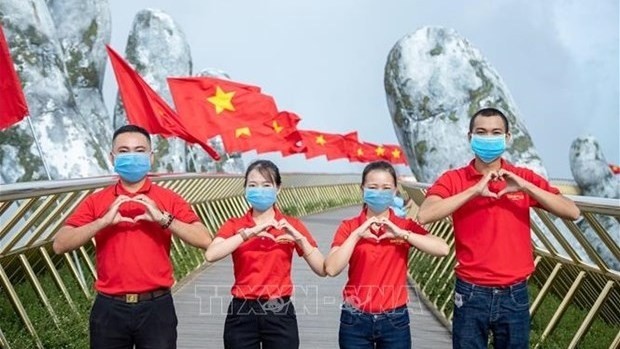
point(250, 323)
point(150, 324)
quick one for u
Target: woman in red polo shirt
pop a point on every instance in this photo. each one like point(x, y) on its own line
point(376, 245)
point(262, 243)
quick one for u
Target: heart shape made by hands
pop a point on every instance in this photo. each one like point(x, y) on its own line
point(131, 209)
point(377, 229)
point(280, 239)
point(496, 185)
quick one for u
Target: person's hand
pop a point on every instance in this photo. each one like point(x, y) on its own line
point(392, 230)
point(292, 234)
point(364, 232)
point(482, 187)
point(112, 216)
point(261, 229)
point(152, 212)
point(513, 182)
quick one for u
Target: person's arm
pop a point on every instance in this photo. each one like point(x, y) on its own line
point(419, 238)
point(555, 203)
point(311, 253)
point(222, 247)
point(71, 237)
point(195, 234)
point(339, 256)
point(434, 207)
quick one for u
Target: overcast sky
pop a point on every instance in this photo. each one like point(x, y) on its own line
point(325, 61)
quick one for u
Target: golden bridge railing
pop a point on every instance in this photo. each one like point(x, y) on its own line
point(575, 290)
point(45, 298)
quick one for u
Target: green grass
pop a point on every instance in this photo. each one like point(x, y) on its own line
point(600, 335)
point(72, 331)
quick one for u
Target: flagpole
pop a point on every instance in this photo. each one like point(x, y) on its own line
point(49, 177)
point(36, 141)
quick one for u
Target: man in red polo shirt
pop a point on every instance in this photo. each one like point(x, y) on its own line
point(132, 223)
point(490, 201)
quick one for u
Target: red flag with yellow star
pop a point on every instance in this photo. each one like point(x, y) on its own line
point(363, 152)
point(380, 153)
point(13, 107)
point(211, 106)
point(394, 154)
point(283, 134)
point(147, 109)
point(278, 134)
point(333, 146)
point(614, 168)
point(242, 138)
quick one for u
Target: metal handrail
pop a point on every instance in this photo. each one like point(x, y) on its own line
point(31, 213)
point(21, 190)
point(571, 276)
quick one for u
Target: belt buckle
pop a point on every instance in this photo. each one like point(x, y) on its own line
point(131, 298)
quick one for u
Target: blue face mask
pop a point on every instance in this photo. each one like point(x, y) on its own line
point(261, 199)
point(132, 167)
point(378, 200)
point(399, 206)
point(488, 148)
point(398, 201)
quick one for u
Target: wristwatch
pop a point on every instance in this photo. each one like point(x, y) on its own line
point(166, 220)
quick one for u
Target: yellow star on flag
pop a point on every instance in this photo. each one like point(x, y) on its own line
point(360, 152)
point(277, 127)
point(380, 150)
point(320, 140)
point(244, 131)
point(396, 154)
point(222, 100)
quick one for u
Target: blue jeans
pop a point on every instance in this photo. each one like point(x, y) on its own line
point(504, 311)
point(361, 330)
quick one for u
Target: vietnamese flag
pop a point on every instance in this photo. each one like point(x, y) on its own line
point(147, 109)
point(344, 145)
point(381, 153)
point(365, 152)
point(283, 134)
point(278, 134)
point(395, 154)
point(333, 146)
point(243, 138)
point(615, 169)
point(211, 106)
point(13, 107)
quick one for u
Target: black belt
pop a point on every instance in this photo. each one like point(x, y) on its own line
point(137, 297)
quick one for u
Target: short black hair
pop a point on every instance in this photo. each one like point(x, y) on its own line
point(488, 111)
point(380, 166)
point(132, 129)
point(266, 168)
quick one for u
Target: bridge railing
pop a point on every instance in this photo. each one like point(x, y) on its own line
point(575, 290)
point(45, 298)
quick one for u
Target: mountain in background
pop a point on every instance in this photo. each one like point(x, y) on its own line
point(434, 81)
point(58, 47)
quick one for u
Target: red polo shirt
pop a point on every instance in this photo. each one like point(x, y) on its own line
point(132, 257)
point(377, 269)
point(262, 266)
point(493, 238)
